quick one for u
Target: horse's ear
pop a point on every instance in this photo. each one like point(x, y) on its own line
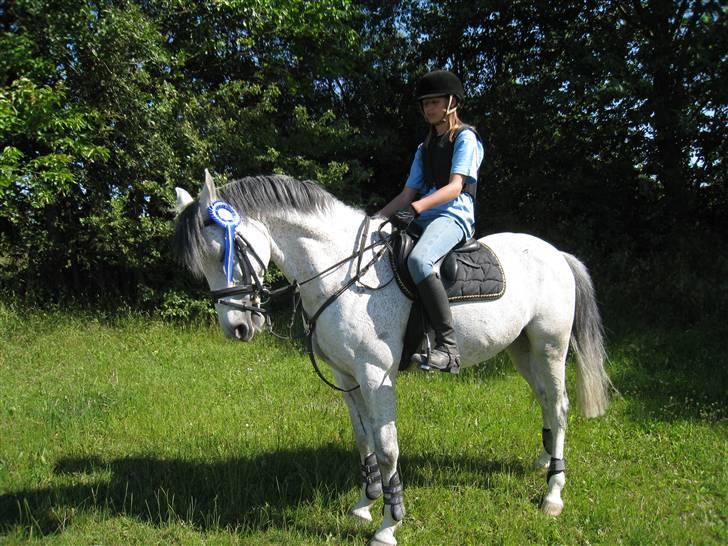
point(208, 193)
point(183, 199)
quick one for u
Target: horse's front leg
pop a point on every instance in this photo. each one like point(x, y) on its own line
point(378, 394)
point(371, 488)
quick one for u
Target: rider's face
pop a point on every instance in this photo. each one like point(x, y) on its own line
point(435, 109)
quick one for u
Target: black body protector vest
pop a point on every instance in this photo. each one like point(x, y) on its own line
point(437, 160)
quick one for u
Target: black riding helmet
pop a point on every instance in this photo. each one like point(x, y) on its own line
point(439, 83)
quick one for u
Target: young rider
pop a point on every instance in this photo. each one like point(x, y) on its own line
point(444, 174)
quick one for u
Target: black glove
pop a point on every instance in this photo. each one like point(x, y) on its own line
point(404, 217)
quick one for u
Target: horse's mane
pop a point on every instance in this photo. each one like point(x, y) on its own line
point(258, 195)
point(255, 196)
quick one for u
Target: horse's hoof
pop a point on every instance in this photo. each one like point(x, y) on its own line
point(377, 542)
point(551, 508)
point(383, 538)
point(361, 514)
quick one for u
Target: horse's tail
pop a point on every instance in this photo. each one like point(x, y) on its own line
point(587, 341)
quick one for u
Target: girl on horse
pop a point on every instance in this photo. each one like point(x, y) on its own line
point(439, 198)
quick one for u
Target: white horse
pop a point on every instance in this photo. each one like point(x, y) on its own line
point(548, 304)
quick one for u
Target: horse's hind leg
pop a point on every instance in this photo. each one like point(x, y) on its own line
point(371, 488)
point(521, 356)
point(548, 364)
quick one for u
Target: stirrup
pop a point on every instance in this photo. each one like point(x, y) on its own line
point(452, 366)
point(419, 359)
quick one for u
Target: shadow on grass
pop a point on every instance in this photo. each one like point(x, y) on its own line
point(243, 495)
point(672, 373)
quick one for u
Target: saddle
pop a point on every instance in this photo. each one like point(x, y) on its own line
point(471, 271)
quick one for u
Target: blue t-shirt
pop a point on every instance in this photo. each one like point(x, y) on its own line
point(466, 159)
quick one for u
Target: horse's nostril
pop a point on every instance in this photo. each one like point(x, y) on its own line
point(243, 332)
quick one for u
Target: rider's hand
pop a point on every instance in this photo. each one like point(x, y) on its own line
point(404, 217)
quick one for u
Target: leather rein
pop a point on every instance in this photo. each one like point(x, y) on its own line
point(260, 293)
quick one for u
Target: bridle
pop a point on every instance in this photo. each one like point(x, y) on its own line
point(259, 293)
point(252, 285)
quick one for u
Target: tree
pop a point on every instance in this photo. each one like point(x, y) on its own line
point(596, 113)
point(124, 100)
point(677, 64)
point(604, 121)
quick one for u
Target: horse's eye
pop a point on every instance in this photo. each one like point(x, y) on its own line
point(216, 251)
point(219, 253)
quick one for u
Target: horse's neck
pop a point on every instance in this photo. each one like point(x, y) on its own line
point(304, 245)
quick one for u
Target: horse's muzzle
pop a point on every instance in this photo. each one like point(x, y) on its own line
point(246, 330)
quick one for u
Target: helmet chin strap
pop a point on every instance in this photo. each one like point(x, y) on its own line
point(450, 107)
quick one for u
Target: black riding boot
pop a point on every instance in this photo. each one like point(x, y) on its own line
point(445, 355)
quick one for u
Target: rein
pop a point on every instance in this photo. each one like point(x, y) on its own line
point(361, 271)
point(260, 292)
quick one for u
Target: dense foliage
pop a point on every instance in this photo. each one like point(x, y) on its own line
point(605, 125)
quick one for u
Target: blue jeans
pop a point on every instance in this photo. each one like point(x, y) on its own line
point(440, 237)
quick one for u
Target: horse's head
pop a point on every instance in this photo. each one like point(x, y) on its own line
point(203, 243)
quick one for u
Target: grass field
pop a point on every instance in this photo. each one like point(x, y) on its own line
point(133, 431)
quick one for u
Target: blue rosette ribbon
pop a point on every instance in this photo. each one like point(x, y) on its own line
point(227, 218)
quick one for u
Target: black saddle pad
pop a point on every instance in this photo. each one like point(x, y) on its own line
point(471, 271)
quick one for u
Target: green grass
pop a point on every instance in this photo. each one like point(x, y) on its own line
point(133, 431)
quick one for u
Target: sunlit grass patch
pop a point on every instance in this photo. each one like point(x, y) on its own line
point(130, 430)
